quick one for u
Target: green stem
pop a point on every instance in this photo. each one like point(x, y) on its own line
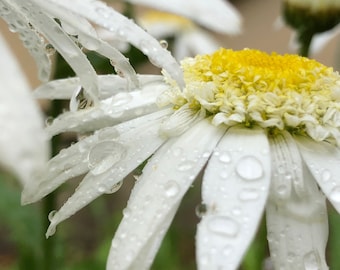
point(49, 260)
point(305, 39)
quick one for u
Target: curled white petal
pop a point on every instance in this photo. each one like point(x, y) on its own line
point(106, 17)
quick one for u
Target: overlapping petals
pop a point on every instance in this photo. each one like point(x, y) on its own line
point(21, 122)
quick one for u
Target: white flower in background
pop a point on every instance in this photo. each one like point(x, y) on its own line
point(23, 145)
point(189, 39)
point(267, 126)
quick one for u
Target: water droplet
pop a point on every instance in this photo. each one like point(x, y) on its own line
point(227, 250)
point(48, 120)
point(171, 188)
point(104, 155)
point(249, 194)
point(326, 175)
point(121, 99)
point(224, 175)
point(126, 212)
point(50, 49)
point(114, 188)
point(201, 210)
point(249, 168)
point(311, 261)
point(282, 190)
point(335, 194)
point(163, 43)
point(225, 157)
point(223, 225)
point(185, 166)
point(177, 151)
point(52, 214)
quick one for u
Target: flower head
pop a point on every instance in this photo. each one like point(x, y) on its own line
point(267, 126)
point(185, 21)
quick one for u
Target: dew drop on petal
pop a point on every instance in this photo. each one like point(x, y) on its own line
point(171, 188)
point(311, 261)
point(163, 43)
point(201, 210)
point(177, 151)
point(185, 166)
point(249, 168)
point(50, 49)
point(223, 225)
point(225, 157)
point(249, 194)
point(227, 250)
point(335, 194)
point(121, 99)
point(326, 175)
point(114, 188)
point(104, 155)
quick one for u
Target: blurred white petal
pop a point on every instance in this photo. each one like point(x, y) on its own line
point(235, 188)
point(23, 145)
point(217, 15)
point(157, 194)
point(194, 43)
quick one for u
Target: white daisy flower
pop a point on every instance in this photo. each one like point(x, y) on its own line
point(183, 24)
point(21, 121)
point(265, 126)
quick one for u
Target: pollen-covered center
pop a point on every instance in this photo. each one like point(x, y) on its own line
point(251, 87)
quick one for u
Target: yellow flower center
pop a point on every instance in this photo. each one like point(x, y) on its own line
point(251, 87)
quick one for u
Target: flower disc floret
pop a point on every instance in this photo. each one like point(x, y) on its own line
point(270, 90)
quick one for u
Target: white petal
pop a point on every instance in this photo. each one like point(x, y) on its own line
point(88, 38)
point(121, 107)
point(109, 85)
point(217, 15)
point(235, 189)
point(30, 38)
point(287, 168)
point(157, 194)
point(108, 18)
point(79, 158)
point(23, 145)
point(323, 161)
point(109, 162)
point(72, 54)
point(298, 229)
point(197, 42)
